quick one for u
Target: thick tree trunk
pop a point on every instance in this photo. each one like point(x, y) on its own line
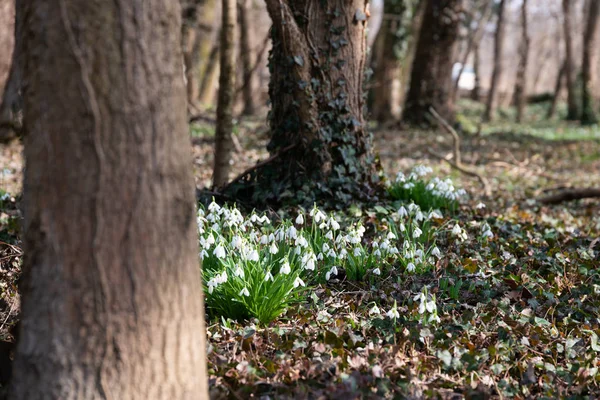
point(246, 41)
point(10, 103)
point(557, 89)
point(112, 299)
point(573, 108)
point(521, 83)
point(224, 129)
point(198, 35)
point(492, 100)
point(431, 78)
point(590, 40)
point(319, 143)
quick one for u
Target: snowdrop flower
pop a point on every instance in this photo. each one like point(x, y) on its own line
point(301, 241)
point(391, 235)
point(417, 233)
point(222, 278)
point(343, 254)
point(323, 225)
point(385, 245)
point(325, 247)
point(264, 239)
point(377, 271)
point(239, 272)
point(393, 313)
point(480, 206)
point(402, 212)
point(331, 253)
point(244, 292)
point(269, 276)
point(219, 251)
point(253, 256)
point(408, 185)
point(309, 260)
point(394, 250)
point(285, 268)
point(203, 254)
point(210, 239)
point(332, 271)
point(456, 230)
point(377, 253)
point(329, 235)
point(487, 234)
point(357, 251)
point(298, 282)
point(214, 207)
point(236, 242)
point(300, 219)
point(411, 267)
point(412, 207)
point(419, 216)
point(435, 214)
point(292, 233)
point(253, 236)
point(334, 224)
point(419, 253)
point(273, 249)
point(320, 257)
point(279, 235)
point(436, 252)
point(374, 311)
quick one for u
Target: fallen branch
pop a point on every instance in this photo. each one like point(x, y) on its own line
point(569, 195)
point(457, 164)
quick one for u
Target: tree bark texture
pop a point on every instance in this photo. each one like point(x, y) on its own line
point(10, 103)
point(112, 298)
point(521, 83)
point(476, 92)
point(210, 75)
point(492, 99)
point(588, 72)
point(431, 77)
point(570, 73)
point(224, 128)
point(319, 142)
point(557, 89)
point(246, 41)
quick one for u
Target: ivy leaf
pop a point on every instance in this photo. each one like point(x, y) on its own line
point(299, 60)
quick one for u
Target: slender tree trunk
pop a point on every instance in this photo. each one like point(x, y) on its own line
point(319, 144)
point(492, 100)
point(473, 43)
point(11, 103)
point(476, 92)
point(224, 129)
point(431, 78)
point(590, 40)
point(246, 40)
point(573, 109)
point(111, 298)
point(557, 89)
point(415, 28)
point(521, 84)
point(210, 76)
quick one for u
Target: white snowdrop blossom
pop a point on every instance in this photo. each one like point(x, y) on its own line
point(253, 256)
point(377, 271)
point(264, 239)
point(244, 292)
point(203, 254)
point(236, 242)
point(357, 251)
point(334, 224)
point(417, 233)
point(402, 212)
point(300, 219)
point(273, 249)
point(393, 313)
point(480, 206)
point(298, 282)
point(269, 276)
point(410, 267)
point(436, 252)
point(219, 251)
point(456, 230)
point(291, 233)
point(332, 271)
point(374, 310)
point(391, 235)
point(285, 268)
point(402, 227)
point(239, 272)
point(329, 235)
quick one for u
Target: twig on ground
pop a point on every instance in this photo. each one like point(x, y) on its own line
point(457, 164)
point(570, 194)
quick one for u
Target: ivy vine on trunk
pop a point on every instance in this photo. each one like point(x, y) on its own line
point(319, 147)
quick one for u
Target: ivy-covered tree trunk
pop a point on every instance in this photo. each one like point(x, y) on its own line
point(431, 78)
point(319, 143)
point(590, 40)
point(521, 84)
point(492, 99)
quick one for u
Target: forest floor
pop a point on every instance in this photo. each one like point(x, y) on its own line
point(520, 313)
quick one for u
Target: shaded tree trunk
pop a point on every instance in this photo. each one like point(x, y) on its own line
point(210, 76)
point(573, 109)
point(198, 34)
point(246, 40)
point(521, 83)
point(319, 144)
point(557, 89)
point(492, 100)
point(476, 92)
point(224, 129)
point(11, 103)
point(111, 299)
point(590, 40)
point(431, 78)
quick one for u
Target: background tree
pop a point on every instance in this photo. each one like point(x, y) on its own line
point(560, 77)
point(10, 102)
point(246, 41)
point(111, 297)
point(521, 83)
point(224, 129)
point(588, 69)
point(492, 99)
point(570, 73)
point(319, 144)
point(431, 77)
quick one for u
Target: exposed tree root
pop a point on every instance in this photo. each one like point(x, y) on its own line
point(569, 195)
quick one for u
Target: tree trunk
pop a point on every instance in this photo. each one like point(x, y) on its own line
point(390, 53)
point(588, 72)
point(557, 88)
point(246, 40)
point(476, 92)
point(431, 78)
point(521, 84)
point(492, 100)
point(573, 109)
point(11, 103)
point(210, 75)
point(224, 129)
point(319, 144)
point(111, 298)
point(198, 34)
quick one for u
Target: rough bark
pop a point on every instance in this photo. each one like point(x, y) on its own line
point(10, 103)
point(570, 73)
point(588, 72)
point(246, 40)
point(112, 299)
point(557, 89)
point(492, 99)
point(198, 34)
point(476, 92)
point(319, 143)
point(431, 77)
point(224, 128)
point(521, 82)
